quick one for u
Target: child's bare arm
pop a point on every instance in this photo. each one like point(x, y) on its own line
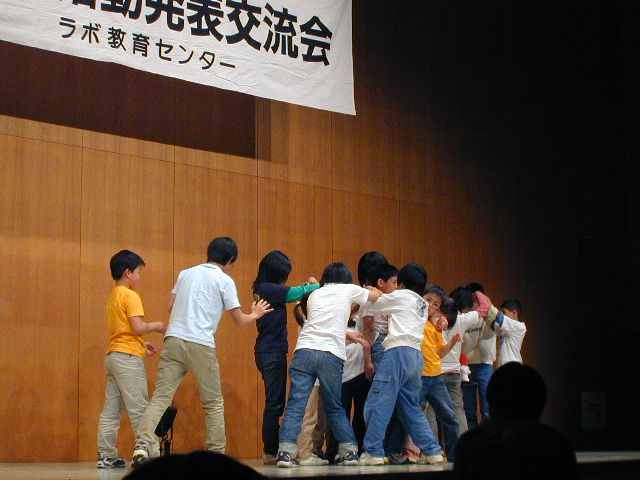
point(258, 310)
point(140, 327)
point(446, 348)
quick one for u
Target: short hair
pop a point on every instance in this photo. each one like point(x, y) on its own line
point(222, 250)
point(366, 263)
point(336, 272)
point(516, 392)
point(383, 271)
point(274, 267)
point(474, 287)
point(512, 304)
point(436, 290)
point(413, 277)
point(463, 298)
point(449, 310)
point(122, 261)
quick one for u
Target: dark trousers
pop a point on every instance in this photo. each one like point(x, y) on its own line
point(273, 368)
point(354, 393)
point(470, 401)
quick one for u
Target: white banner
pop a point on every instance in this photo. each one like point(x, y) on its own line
point(297, 51)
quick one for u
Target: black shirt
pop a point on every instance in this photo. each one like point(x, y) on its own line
point(272, 328)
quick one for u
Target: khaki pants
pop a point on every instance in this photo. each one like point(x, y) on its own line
point(314, 426)
point(177, 358)
point(125, 389)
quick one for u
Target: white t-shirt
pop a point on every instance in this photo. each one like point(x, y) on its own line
point(354, 364)
point(480, 345)
point(407, 314)
point(202, 293)
point(380, 321)
point(464, 322)
point(510, 336)
point(328, 311)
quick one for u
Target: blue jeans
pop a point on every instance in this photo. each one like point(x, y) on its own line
point(273, 367)
point(307, 366)
point(435, 391)
point(481, 374)
point(377, 350)
point(394, 438)
point(397, 381)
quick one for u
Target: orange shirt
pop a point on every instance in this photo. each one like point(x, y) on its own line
point(122, 304)
point(431, 343)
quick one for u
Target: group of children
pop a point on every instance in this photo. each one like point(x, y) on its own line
point(392, 347)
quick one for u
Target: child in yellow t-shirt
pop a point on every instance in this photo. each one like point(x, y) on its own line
point(126, 383)
point(434, 347)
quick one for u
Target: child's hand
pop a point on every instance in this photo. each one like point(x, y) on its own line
point(260, 308)
point(151, 349)
point(456, 338)
point(369, 370)
point(312, 279)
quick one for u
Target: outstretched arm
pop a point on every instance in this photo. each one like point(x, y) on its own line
point(140, 327)
point(258, 310)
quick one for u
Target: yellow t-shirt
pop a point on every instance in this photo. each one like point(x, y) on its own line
point(122, 304)
point(431, 343)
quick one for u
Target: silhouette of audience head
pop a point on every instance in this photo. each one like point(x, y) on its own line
point(512, 443)
point(516, 392)
point(195, 465)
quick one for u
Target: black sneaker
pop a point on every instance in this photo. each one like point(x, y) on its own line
point(286, 460)
point(348, 459)
point(108, 462)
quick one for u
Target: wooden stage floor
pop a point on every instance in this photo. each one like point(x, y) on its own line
point(87, 470)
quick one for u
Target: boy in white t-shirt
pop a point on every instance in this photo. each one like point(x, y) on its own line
point(397, 382)
point(510, 331)
point(467, 320)
point(320, 354)
point(199, 298)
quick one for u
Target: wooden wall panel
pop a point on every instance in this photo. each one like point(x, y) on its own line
point(39, 292)
point(127, 203)
point(209, 204)
point(297, 147)
point(362, 223)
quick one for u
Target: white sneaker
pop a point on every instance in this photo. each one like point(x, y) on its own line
point(367, 459)
point(140, 455)
point(435, 459)
point(313, 460)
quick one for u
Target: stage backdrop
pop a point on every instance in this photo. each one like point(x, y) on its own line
point(96, 157)
point(293, 50)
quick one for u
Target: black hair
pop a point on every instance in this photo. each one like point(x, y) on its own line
point(336, 272)
point(463, 298)
point(274, 267)
point(516, 392)
point(449, 310)
point(512, 304)
point(474, 287)
point(222, 250)
point(367, 262)
point(300, 310)
point(436, 290)
point(381, 272)
point(194, 465)
point(413, 277)
point(122, 261)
